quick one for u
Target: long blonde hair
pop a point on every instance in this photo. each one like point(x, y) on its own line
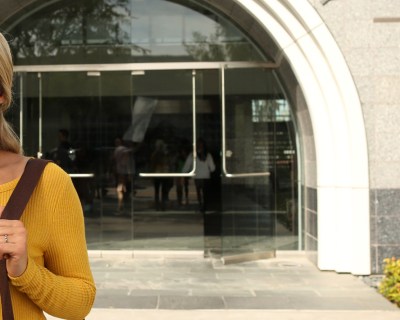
point(8, 139)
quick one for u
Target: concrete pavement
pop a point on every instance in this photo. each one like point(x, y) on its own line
point(107, 314)
point(188, 286)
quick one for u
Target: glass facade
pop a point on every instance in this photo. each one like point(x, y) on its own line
point(125, 31)
point(126, 95)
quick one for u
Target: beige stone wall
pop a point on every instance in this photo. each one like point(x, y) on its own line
point(368, 33)
point(370, 42)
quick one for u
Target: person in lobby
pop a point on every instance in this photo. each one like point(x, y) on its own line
point(160, 162)
point(62, 154)
point(204, 167)
point(46, 256)
point(181, 183)
point(123, 166)
point(63, 158)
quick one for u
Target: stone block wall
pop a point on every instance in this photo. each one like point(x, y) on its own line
point(368, 33)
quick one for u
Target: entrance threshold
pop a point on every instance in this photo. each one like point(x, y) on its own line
point(146, 254)
point(246, 257)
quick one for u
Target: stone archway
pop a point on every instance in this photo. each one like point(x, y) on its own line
point(342, 181)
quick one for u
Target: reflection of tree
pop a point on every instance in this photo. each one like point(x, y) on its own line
point(220, 47)
point(268, 110)
point(76, 28)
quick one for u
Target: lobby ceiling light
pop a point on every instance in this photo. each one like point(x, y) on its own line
point(137, 73)
point(93, 74)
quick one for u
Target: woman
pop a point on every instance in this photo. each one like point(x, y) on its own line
point(204, 167)
point(47, 261)
point(123, 167)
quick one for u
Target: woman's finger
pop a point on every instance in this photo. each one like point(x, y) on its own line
point(13, 245)
point(10, 227)
point(4, 223)
point(13, 248)
point(6, 239)
point(13, 238)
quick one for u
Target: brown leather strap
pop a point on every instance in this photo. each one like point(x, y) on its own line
point(7, 311)
point(13, 211)
point(20, 196)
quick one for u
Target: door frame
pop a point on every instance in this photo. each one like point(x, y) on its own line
point(137, 68)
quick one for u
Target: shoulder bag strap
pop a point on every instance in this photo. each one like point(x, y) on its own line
point(20, 196)
point(13, 211)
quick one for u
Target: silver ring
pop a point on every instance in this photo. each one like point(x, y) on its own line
point(6, 238)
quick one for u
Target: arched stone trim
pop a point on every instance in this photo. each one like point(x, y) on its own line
point(338, 125)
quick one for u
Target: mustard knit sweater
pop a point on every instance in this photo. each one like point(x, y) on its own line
point(58, 279)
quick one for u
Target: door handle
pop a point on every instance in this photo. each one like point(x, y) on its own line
point(178, 174)
point(81, 175)
point(228, 153)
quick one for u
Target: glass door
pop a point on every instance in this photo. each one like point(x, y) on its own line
point(71, 133)
point(24, 115)
point(251, 98)
point(73, 118)
point(163, 132)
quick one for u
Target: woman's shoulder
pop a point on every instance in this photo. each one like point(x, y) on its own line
point(55, 169)
point(54, 174)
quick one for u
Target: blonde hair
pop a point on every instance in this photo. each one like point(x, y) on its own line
point(8, 139)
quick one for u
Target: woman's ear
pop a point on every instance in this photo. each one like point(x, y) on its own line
point(1, 99)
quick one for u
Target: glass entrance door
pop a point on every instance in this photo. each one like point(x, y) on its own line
point(248, 220)
point(163, 129)
point(73, 118)
point(258, 166)
point(134, 145)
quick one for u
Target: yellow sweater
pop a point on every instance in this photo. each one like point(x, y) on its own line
point(58, 279)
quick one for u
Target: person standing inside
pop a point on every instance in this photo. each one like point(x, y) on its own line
point(181, 183)
point(123, 166)
point(46, 256)
point(204, 167)
point(63, 156)
point(160, 162)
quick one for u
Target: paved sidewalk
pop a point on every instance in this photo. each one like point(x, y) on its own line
point(192, 287)
point(121, 314)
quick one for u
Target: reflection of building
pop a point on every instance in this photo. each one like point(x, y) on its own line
point(238, 67)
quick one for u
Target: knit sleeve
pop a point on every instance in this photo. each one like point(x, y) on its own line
point(64, 287)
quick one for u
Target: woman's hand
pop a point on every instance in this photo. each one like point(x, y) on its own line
point(13, 246)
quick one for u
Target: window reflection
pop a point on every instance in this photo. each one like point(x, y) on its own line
point(270, 110)
point(118, 31)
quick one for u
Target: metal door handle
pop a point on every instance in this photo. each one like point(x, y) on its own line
point(179, 174)
point(224, 151)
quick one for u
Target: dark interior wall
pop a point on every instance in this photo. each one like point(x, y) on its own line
point(11, 7)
